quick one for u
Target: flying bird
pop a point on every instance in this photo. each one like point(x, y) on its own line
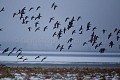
point(19, 50)
point(100, 44)
point(115, 30)
point(118, 38)
point(20, 53)
point(64, 30)
point(12, 51)
point(36, 23)
point(96, 46)
point(61, 48)
point(118, 32)
point(94, 28)
point(53, 5)
point(84, 43)
point(70, 40)
point(69, 46)
point(14, 14)
point(109, 35)
point(46, 27)
point(32, 17)
point(67, 19)
point(38, 28)
point(81, 32)
point(43, 59)
point(37, 57)
point(73, 32)
point(111, 44)
point(58, 46)
point(88, 26)
point(38, 8)
point(78, 18)
point(2, 9)
point(6, 50)
point(104, 31)
point(51, 19)
point(54, 34)
point(21, 57)
point(81, 28)
point(29, 28)
point(25, 59)
point(30, 8)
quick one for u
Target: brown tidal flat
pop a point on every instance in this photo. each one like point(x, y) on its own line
point(49, 72)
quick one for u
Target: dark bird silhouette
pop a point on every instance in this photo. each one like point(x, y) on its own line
point(111, 44)
point(73, 19)
point(46, 27)
point(32, 17)
point(84, 43)
point(21, 57)
point(36, 23)
point(109, 35)
point(38, 8)
point(53, 5)
point(88, 26)
point(37, 57)
point(29, 28)
point(73, 32)
point(26, 17)
point(118, 32)
point(23, 22)
point(12, 51)
point(25, 59)
point(81, 32)
point(64, 30)
point(104, 31)
point(6, 50)
point(100, 44)
point(78, 18)
point(2, 9)
point(44, 58)
point(61, 48)
point(70, 40)
point(38, 28)
point(58, 46)
point(1, 29)
point(67, 19)
point(51, 19)
point(96, 46)
point(94, 28)
point(30, 8)
point(54, 34)
point(69, 46)
point(20, 53)
point(115, 30)
point(19, 50)
point(38, 17)
point(102, 50)
point(26, 22)
point(118, 38)
point(81, 28)
point(14, 14)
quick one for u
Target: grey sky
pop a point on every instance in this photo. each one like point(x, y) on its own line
point(102, 13)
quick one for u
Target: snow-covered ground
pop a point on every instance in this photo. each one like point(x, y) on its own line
point(57, 76)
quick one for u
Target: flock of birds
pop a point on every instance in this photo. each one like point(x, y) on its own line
point(94, 38)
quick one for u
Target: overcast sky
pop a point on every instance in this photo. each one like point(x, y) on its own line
point(104, 14)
